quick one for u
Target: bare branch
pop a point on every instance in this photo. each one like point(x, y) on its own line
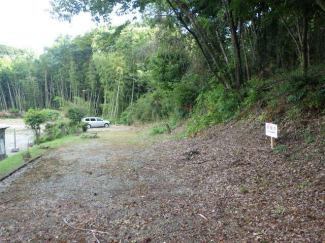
point(82, 229)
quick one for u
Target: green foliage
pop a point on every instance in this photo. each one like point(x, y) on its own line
point(243, 190)
point(135, 74)
point(61, 129)
point(76, 113)
point(51, 115)
point(126, 117)
point(304, 184)
point(34, 119)
point(289, 94)
point(9, 164)
point(158, 130)
point(255, 91)
point(84, 126)
point(281, 149)
point(214, 107)
point(161, 128)
point(12, 162)
point(184, 98)
point(294, 88)
point(14, 111)
point(150, 107)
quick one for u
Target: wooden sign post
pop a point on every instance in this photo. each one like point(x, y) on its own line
point(271, 130)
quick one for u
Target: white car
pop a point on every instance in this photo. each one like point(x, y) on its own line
point(95, 122)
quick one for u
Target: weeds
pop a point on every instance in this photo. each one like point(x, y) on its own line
point(281, 149)
point(243, 190)
point(162, 127)
point(303, 185)
point(279, 210)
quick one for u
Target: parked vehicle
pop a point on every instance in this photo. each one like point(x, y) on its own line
point(95, 122)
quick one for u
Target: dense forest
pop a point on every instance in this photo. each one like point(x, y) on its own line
point(209, 60)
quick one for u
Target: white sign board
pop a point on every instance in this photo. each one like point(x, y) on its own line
point(271, 130)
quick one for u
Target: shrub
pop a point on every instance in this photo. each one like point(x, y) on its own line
point(184, 97)
point(153, 106)
point(46, 138)
point(76, 113)
point(214, 107)
point(84, 126)
point(53, 130)
point(34, 119)
point(14, 112)
point(61, 129)
point(161, 128)
point(296, 94)
point(255, 90)
point(158, 130)
point(51, 115)
point(243, 190)
point(126, 117)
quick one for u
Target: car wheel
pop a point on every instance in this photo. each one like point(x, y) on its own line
point(106, 125)
point(88, 126)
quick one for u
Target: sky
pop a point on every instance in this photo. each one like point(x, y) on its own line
point(26, 24)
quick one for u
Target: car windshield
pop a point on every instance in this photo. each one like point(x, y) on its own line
point(99, 119)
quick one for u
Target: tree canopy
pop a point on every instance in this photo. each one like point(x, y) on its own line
point(168, 62)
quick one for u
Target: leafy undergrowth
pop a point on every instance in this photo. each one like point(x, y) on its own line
point(162, 127)
point(286, 95)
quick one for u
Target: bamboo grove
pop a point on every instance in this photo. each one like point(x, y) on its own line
point(101, 70)
point(181, 50)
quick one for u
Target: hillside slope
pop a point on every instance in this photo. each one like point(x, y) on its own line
point(249, 193)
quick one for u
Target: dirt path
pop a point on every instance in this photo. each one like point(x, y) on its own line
point(127, 187)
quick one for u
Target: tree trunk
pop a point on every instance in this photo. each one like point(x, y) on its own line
point(298, 46)
point(133, 83)
point(117, 103)
point(222, 47)
point(46, 90)
point(305, 43)
point(246, 58)
point(11, 98)
point(4, 102)
point(38, 134)
point(236, 49)
point(321, 3)
point(204, 46)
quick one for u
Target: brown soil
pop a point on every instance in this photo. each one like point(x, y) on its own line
point(225, 185)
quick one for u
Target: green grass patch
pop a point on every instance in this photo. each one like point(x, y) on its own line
point(243, 190)
point(162, 127)
point(11, 163)
point(280, 149)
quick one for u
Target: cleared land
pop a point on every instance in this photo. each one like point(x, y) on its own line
point(223, 186)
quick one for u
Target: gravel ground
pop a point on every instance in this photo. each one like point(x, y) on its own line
point(225, 185)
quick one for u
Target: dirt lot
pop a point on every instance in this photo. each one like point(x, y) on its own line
point(223, 186)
